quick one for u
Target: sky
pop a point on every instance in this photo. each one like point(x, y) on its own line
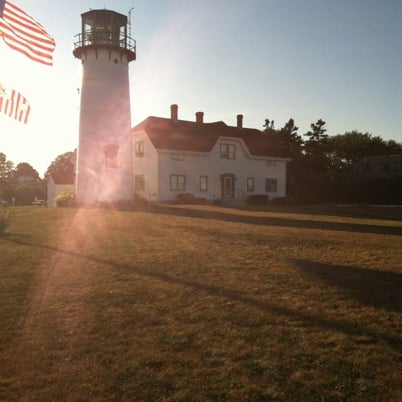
point(340, 61)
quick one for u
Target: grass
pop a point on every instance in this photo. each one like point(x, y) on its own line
point(200, 303)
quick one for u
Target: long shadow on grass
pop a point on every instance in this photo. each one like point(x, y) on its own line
point(343, 326)
point(383, 212)
point(374, 288)
point(275, 221)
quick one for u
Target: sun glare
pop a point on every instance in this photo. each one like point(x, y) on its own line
point(52, 124)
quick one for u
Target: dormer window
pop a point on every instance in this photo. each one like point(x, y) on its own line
point(228, 151)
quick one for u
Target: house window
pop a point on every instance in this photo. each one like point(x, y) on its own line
point(111, 152)
point(250, 184)
point(271, 163)
point(177, 182)
point(139, 182)
point(228, 151)
point(177, 157)
point(139, 149)
point(203, 183)
point(271, 185)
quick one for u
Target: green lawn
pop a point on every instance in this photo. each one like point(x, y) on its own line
point(200, 303)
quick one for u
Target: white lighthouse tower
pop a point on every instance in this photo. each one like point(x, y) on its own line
point(104, 168)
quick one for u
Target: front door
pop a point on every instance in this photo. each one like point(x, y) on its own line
point(227, 186)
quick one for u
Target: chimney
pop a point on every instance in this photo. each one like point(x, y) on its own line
point(174, 112)
point(239, 121)
point(199, 117)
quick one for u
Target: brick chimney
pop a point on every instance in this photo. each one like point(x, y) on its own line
point(199, 117)
point(239, 121)
point(174, 112)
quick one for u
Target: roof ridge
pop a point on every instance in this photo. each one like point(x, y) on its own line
point(184, 135)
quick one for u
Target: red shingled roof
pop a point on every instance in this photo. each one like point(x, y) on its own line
point(182, 135)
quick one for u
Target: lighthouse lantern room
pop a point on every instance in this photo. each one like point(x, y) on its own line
point(103, 167)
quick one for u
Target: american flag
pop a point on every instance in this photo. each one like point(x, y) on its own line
point(13, 104)
point(23, 34)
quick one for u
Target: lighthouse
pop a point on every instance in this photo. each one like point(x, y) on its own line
point(104, 156)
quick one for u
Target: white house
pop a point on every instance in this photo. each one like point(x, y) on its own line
point(57, 184)
point(208, 160)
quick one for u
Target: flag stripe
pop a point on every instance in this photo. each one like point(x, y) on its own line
point(31, 53)
point(23, 34)
point(31, 35)
point(17, 98)
point(15, 106)
point(19, 19)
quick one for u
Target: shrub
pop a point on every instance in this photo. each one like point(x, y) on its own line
point(218, 202)
point(201, 201)
point(65, 199)
point(102, 204)
point(123, 205)
point(187, 198)
point(6, 216)
point(281, 201)
point(140, 201)
point(258, 199)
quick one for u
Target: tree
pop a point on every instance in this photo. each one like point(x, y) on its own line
point(6, 169)
point(351, 146)
point(63, 164)
point(286, 138)
point(324, 177)
point(320, 165)
point(24, 169)
point(317, 133)
point(22, 184)
point(290, 143)
point(26, 185)
point(269, 124)
point(315, 146)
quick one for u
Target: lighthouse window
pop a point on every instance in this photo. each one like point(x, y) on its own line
point(111, 155)
point(139, 149)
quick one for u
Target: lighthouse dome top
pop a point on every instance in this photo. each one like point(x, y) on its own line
point(104, 28)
